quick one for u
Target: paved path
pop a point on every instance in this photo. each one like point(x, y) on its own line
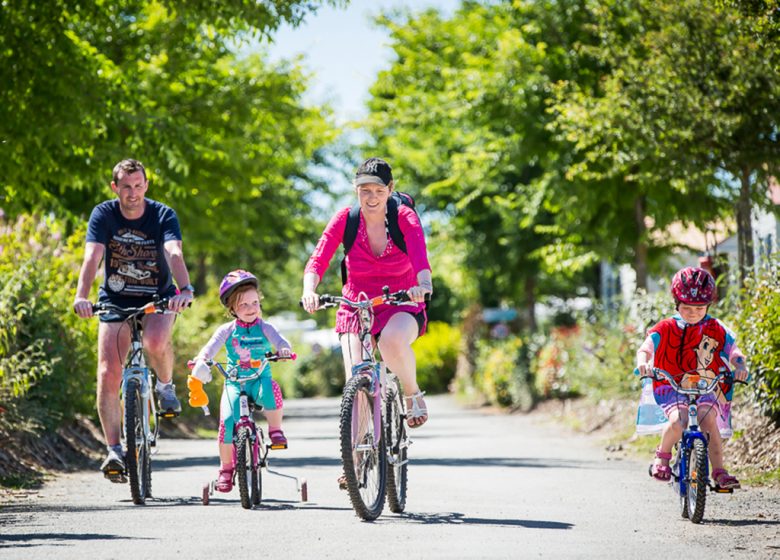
point(482, 485)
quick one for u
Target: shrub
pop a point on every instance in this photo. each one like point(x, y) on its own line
point(437, 356)
point(759, 333)
point(47, 354)
point(502, 372)
point(320, 374)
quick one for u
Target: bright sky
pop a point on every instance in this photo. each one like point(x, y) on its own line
point(345, 50)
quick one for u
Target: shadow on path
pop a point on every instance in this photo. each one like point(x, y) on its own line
point(51, 539)
point(742, 522)
point(454, 518)
point(319, 461)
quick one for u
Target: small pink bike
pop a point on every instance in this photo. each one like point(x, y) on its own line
point(250, 450)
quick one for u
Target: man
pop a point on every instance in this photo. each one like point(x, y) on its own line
point(139, 241)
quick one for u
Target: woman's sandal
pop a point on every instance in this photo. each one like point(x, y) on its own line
point(724, 480)
point(418, 410)
point(660, 471)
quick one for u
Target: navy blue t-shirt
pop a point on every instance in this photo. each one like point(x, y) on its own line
point(134, 262)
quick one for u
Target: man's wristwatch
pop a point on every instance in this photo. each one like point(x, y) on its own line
point(189, 287)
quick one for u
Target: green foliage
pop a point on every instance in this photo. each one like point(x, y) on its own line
point(437, 356)
point(320, 374)
point(759, 331)
point(460, 114)
point(596, 357)
point(502, 372)
point(227, 139)
point(687, 101)
point(47, 355)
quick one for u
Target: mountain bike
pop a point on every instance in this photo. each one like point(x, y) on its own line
point(250, 451)
point(372, 429)
point(690, 469)
point(140, 420)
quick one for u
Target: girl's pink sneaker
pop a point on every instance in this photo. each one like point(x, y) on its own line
point(278, 441)
point(225, 480)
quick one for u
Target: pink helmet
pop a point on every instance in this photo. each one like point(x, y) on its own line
point(693, 286)
point(233, 280)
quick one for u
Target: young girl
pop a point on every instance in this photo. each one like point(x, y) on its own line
point(690, 340)
point(246, 338)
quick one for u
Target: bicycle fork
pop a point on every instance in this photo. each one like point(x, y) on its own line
point(376, 389)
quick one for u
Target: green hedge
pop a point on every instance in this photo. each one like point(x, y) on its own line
point(437, 355)
point(759, 335)
point(47, 354)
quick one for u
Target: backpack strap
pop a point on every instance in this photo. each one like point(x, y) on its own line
point(350, 234)
point(391, 221)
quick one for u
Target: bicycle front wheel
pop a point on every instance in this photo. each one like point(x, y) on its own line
point(362, 450)
point(697, 481)
point(138, 461)
point(244, 466)
point(397, 445)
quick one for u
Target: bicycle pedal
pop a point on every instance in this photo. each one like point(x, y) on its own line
point(116, 476)
point(720, 490)
point(278, 446)
point(168, 414)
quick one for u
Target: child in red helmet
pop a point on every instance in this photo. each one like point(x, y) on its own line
point(245, 338)
point(691, 340)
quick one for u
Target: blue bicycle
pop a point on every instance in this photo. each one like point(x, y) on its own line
point(690, 469)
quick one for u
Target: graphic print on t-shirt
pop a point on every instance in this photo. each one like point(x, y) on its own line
point(132, 263)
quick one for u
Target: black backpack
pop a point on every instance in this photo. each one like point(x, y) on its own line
point(391, 222)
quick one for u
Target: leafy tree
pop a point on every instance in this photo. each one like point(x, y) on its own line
point(461, 114)
point(687, 102)
point(226, 140)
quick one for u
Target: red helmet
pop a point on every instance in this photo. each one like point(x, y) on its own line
point(693, 286)
point(233, 280)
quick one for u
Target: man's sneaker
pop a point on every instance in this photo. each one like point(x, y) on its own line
point(169, 404)
point(114, 467)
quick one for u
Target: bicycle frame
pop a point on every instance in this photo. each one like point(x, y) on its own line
point(140, 428)
point(692, 431)
point(245, 419)
point(259, 453)
point(136, 370)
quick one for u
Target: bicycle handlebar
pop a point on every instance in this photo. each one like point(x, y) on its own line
point(659, 374)
point(254, 364)
point(400, 297)
point(159, 306)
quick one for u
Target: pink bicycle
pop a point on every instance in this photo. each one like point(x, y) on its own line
point(250, 450)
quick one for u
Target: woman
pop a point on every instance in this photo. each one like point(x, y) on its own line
point(375, 261)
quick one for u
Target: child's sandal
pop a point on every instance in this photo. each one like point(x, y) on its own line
point(724, 480)
point(660, 471)
point(419, 411)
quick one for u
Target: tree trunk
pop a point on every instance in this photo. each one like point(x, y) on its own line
point(200, 273)
point(640, 253)
point(744, 227)
point(530, 303)
point(467, 353)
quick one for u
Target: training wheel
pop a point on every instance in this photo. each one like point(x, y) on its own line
point(304, 490)
point(205, 495)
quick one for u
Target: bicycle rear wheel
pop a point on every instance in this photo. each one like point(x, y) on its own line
point(138, 461)
point(397, 449)
point(362, 450)
point(244, 466)
point(697, 481)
